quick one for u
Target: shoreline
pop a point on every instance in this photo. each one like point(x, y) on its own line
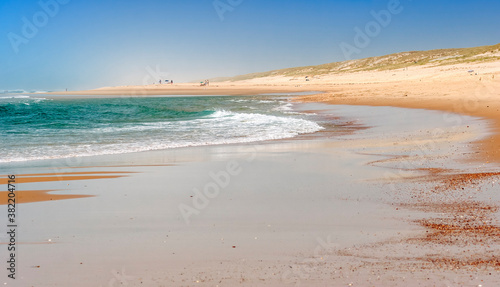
point(444, 88)
point(184, 89)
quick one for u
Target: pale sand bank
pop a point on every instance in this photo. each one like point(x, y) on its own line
point(317, 211)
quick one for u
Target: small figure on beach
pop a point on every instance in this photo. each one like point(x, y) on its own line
point(160, 82)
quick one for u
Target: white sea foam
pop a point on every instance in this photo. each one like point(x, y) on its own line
point(221, 127)
point(22, 98)
point(15, 97)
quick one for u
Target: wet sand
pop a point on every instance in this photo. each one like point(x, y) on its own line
point(380, 205)
point(27, 196)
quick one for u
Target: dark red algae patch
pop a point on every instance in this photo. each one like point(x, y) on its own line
point(462, 180)
point(465, 224)
point(453, 263)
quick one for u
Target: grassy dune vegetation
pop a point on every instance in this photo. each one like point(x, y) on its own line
point(439, 57)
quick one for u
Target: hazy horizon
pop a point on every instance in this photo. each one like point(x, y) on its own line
point(59, 44)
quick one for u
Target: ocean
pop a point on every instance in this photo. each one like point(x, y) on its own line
point(37, 127)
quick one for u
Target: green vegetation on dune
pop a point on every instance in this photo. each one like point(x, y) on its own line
point(440, 57)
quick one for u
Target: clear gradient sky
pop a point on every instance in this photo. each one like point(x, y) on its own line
point(88, 44)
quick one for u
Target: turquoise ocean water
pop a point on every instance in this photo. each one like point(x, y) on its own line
point(35, 127)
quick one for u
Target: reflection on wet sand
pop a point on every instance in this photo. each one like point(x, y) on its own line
point(27, 196)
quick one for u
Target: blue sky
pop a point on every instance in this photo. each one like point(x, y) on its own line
point(88, 44)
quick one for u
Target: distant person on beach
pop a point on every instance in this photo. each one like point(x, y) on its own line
point(160, 82)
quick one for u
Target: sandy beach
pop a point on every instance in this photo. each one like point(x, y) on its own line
point(250, 143)
point(404, 193)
